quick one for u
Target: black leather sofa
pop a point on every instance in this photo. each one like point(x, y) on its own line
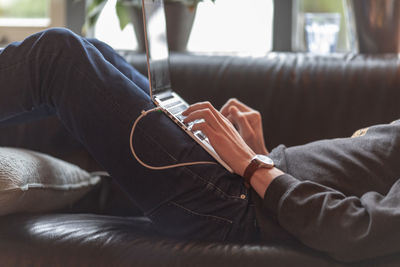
point(301, 97)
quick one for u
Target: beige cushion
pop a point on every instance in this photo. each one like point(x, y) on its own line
point(35, 182)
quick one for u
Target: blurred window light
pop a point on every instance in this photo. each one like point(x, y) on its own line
point(226, 26)
point(20, 18)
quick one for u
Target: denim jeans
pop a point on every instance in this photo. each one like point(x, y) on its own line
point(98, 95)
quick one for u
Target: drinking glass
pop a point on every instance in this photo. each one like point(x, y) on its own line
point(321, 30)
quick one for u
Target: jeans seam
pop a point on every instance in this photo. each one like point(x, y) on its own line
point(191, 212)
point(223, 231)
point(216, 187)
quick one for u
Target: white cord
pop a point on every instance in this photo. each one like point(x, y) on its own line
point(144, 113)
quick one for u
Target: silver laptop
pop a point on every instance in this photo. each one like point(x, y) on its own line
point(158, 70)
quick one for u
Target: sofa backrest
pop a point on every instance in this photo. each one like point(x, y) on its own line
point(302, 97)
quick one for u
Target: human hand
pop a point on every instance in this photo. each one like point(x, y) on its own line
point(222, 135)
point(248, 122)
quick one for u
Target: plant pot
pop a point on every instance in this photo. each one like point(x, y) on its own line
point(179, 20)
point(377, 25)
point(135, 13)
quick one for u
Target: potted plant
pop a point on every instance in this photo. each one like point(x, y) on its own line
point(179, 15)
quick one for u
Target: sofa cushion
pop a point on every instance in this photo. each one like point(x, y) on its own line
point(35, 182)
point(98, 240)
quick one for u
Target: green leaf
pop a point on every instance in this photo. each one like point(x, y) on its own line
point(123, 15)
point(94, 11)
point(93, 4)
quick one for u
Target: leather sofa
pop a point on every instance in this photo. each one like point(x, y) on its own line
point(302, 98)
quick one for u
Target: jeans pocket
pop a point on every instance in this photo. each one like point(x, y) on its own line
point(174, 220)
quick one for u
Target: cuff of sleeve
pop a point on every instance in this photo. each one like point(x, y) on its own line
point(276, 190)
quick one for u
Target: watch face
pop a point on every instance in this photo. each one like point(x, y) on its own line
point(267, 161)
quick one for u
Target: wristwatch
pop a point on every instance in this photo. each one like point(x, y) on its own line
point(258, 161)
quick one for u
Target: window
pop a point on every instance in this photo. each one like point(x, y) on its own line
point(233, 26)
point(318, 10)
point(20, 18)
point(228, 26)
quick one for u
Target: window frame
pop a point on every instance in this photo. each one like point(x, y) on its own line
point(57, 18)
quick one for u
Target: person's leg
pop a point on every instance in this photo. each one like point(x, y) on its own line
point(120, 63)
point(38, 112)
point(111, 56)
point(98, 104)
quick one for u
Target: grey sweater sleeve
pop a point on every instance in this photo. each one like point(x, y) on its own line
point(348, 228)
point(341, 196)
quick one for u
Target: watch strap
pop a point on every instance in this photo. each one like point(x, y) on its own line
point(248, 173)
point(258, 161)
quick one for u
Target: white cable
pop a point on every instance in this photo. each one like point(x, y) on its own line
point(144, 113)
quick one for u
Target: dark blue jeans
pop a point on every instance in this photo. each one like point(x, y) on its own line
point(98, 95)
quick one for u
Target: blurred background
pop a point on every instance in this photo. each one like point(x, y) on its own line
point(239, 27)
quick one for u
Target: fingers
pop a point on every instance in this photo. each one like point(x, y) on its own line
point(212, 121)
point(241, 120)
point(205, 128)
point(198, 106)
point(233, 102)
point(238, 117)
point(204, 106)
point(204, 114)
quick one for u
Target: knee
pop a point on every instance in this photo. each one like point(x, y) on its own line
point(58, 35)
point(60, 40)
